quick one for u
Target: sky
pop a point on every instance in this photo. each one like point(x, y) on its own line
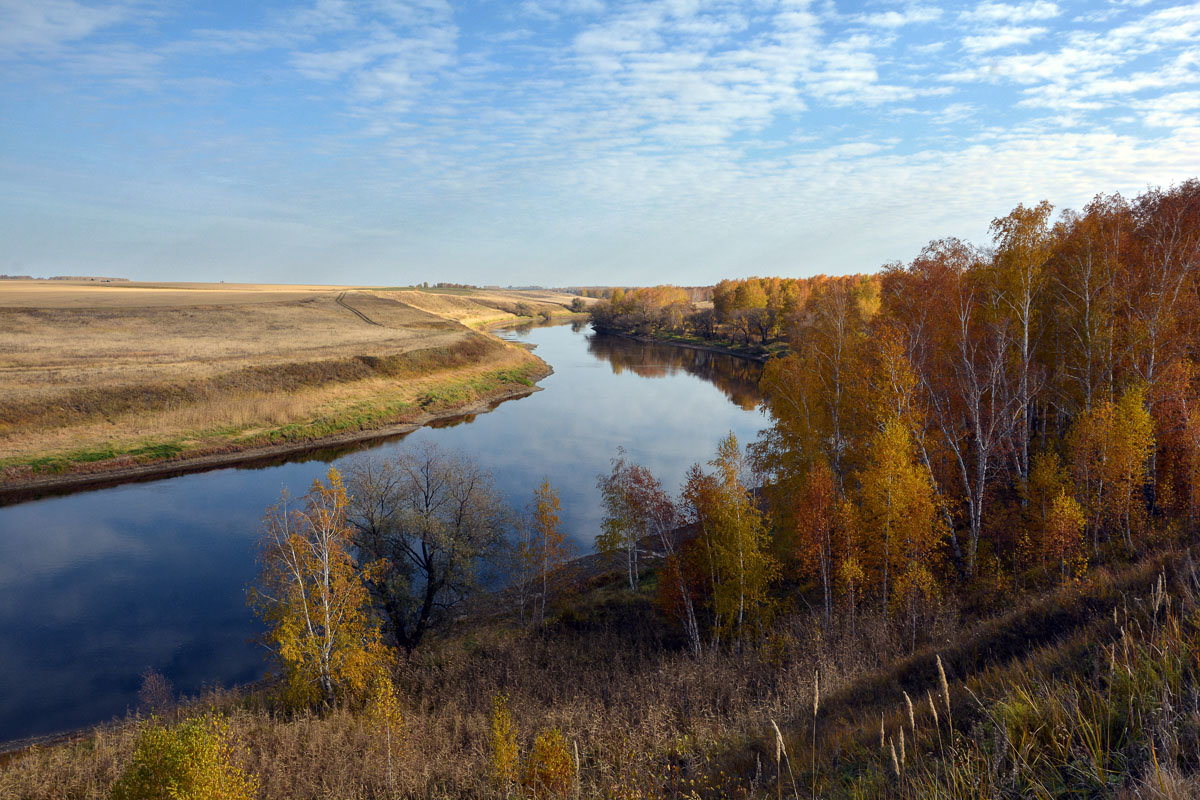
point(581, 142)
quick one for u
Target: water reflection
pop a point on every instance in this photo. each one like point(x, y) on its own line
point(737, 377)
point(96, 587)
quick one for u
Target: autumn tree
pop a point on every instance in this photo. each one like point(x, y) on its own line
point(1111, 445)
point(638, 508)
point(505, 752)
point(1165, 256)
point(621, 529)
point(815, 517)
point(386, 719)
point(190, 761)
point(635, 507)
point(423, 520)
point(1084, 311)
point(852, 578)
point(897, 514)
point(733, 535)
point(544, 550)
point(1177, 425)
point(1048, 479)
point(1024, 246)
point(311, 593)
point(1065, 523)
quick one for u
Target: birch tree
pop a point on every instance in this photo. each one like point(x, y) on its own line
point(312, 596)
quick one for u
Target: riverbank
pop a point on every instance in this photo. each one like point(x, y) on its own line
point(104, 386)
point(103, 474)
point(692, 343)
point(580, 581)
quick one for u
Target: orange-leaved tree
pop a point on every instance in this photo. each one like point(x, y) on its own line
point(816, 519)
point(313, 598)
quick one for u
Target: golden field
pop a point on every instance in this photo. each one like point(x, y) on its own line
point(104, 374)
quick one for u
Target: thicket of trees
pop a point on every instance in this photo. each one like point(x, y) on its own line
point(993, 414)
point(977, 417)
point(747, 311)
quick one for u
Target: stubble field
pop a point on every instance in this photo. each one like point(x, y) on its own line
point(94, 376)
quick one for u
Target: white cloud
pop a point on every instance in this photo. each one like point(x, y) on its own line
point(42, 26)
point(555, 9)
point(611, 131)
point(1011, 13)
point(1001, 38)
point(954, 112)
point(1173, 111)
point(912, 15)
point(1175, 25)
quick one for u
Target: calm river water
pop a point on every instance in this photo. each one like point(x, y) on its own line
point(97, 587)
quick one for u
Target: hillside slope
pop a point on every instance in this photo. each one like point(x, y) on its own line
point(1087, 690)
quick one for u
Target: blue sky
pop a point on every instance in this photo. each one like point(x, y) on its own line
point(572, 142)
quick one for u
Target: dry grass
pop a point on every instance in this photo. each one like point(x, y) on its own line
point(610, 672)
point(485, 306)
point(83, 294)
point(650, 721)
point(114, 367)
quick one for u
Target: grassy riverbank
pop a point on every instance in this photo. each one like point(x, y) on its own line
point(1097, 664)
point(103, 377)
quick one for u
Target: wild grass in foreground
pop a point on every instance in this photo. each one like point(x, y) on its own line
point(1089, 691)
point(1106, 707)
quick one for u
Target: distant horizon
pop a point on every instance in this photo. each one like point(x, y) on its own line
point(416, 285)
point(584, 142)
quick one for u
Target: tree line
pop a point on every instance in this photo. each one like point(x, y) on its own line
point(994, 414)
point(980, 416)
point(747, 312)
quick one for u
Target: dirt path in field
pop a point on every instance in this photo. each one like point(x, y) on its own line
point(341, 301)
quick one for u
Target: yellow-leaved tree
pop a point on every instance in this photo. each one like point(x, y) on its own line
point(734, 538)
point(506, 754)
point(1064, 534)
point(899, 528)
point(386, 719)
point(545, 550)
point(313, 598)
point(1111, 445)
point(1048, 479)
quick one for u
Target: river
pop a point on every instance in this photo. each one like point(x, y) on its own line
point(98, 586)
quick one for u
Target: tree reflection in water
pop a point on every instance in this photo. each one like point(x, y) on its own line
point(737, 378)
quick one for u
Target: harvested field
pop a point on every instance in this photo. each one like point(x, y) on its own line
point(484, 306)
point(91, 373)
point(71, 294)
